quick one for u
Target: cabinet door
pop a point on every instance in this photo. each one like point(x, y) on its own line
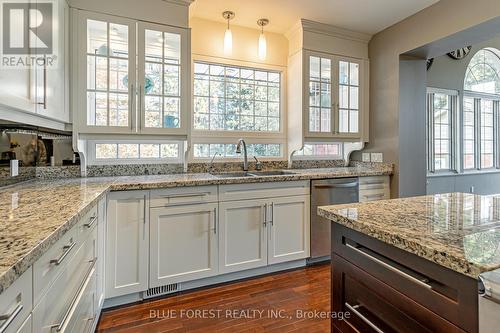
point(127, 243)
point(243, 235)
point(289, 229)
point(51, 86)
point(183, 243)
point(100, 263)
point(163, 78)
point(106, 77)
point(350, 91)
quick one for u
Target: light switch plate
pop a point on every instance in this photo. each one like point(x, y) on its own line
point(366, 157)
point(14, 168)
point(377, 157)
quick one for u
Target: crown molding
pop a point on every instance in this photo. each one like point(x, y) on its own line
point(180, 2)
point(330, 30)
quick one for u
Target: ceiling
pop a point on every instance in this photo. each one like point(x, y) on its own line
point(367, 16)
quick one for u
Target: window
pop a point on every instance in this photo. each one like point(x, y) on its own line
point(320, 150)
point(128, 152)
point(469, 135)
point(441, 115)
point(480, 110)
point(228, 150)
point(483, 72)
point(230, 98)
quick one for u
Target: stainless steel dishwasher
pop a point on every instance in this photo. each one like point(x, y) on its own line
point(323, 193)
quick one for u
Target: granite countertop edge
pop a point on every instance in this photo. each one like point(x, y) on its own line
point(12, 272)
point(427, 252)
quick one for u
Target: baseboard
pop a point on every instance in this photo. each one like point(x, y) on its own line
point(214, 280)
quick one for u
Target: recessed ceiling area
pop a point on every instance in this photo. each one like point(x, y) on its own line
point(367, 16)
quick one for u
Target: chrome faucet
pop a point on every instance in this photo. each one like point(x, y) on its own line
point(245, 156)
point(211, 164)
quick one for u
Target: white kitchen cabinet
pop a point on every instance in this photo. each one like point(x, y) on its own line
point(183, 243)
point(133, 77)
point(100, 247)
point(39, 95)
point(16, 303)
point(242, 235)
point(51, 82)
point(27, 326)
point(127, 243)
point(289, 229)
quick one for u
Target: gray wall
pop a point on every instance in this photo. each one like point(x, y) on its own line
point(435, 23)
point(448, 73)
point(412, 164)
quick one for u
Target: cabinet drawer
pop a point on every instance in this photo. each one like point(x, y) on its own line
point(374, 182)
point(16, 303)
point(371, 195)
point(376, 307)
point(57, 302)
point(49, 266)
point(84, 314)
point(183, 196)
point(449, 295)
point(263, 190)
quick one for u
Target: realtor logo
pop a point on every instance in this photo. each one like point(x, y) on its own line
point(27, 33)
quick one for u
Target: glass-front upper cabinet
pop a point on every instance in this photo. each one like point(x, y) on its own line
point(334, 98)
point(132, 76)
point(163, 79)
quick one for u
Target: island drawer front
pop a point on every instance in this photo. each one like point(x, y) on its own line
point(376, 307)
point(263, 190)
point(183, 196)
point(450, 295)
point(372, 195)
point(60, 297)
point(87, 224)
point(16, 303)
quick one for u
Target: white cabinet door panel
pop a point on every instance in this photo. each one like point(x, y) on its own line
point(127, 246)
point(289, 229)
point(183, 243)
point(242, 237)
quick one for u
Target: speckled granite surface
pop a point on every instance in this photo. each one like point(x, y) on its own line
point(459, 231)
point(34, 215)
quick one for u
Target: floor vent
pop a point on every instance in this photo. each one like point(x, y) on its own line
point(162, 290)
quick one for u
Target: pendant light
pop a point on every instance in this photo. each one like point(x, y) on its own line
point(262, 39)
point(228, 36)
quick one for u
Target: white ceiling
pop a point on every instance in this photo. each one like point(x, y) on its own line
point(368, 16)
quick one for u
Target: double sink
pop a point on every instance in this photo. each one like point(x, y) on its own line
point(252, 174)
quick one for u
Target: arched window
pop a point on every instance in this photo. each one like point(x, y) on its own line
point(480, 104)
point(483, 72)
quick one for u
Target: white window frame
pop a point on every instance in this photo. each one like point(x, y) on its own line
point(340, 156)
point(477, 97)
point(92, 160)
point(251, 137)
point(455, 131)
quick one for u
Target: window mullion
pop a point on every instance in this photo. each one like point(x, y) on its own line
point(477, 132)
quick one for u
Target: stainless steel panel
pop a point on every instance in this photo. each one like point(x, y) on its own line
point(323, 193)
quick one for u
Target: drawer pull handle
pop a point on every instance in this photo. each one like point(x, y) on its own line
point(375, 196)
point(373, 183)
point(9, 318)
point(215, 221)
point(91, 223)
point(74, 302)
point(67, 249)
point(354, 309)
point(272, 214)
point(422, 282)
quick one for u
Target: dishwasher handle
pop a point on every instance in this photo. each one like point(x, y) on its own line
point(341, 185)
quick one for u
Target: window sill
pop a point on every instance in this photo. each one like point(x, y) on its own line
point(464, 173)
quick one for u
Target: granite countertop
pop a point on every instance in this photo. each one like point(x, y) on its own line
point(458, 231)
point(34, 215)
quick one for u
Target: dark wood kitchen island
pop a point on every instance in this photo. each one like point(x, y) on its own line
point(411, 265)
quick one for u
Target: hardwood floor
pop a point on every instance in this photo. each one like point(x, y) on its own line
point(265, 304)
